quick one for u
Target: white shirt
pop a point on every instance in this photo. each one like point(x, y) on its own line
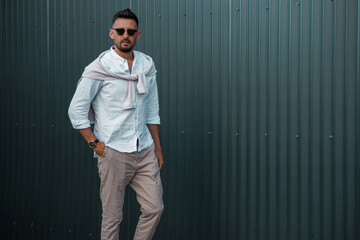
point(120, 129)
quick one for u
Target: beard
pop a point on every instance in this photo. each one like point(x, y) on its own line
point(125, 49)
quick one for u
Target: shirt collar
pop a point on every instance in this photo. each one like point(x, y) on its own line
point(118, 57)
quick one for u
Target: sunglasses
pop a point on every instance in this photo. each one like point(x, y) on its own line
point(121, 31)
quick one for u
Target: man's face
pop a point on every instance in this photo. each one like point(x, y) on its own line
point(122, 39)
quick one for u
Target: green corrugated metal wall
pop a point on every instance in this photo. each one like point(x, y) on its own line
point(260, 108)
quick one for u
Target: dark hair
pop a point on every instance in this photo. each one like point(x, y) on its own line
point(126, 13)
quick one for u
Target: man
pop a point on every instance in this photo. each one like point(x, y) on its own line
point(119, 92)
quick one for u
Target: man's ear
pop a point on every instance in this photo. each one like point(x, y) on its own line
point(138, 36)
point(111, 34)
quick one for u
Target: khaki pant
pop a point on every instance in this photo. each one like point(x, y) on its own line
point(141, 171)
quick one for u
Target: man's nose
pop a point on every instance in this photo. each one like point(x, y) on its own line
point(125, 35)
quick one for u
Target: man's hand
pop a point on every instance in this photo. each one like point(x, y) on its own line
point(160, 158)
point(154, 131)
point(89, 137)
point(99, 149)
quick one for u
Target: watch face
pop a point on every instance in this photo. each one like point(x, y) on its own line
point(91, 144)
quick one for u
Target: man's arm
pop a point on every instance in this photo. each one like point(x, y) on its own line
point(89, 136)
point(79, 110)
point(154, 131)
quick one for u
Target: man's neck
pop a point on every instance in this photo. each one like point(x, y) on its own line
point(129, 56)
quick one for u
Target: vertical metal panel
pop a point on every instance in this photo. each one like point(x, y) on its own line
point(260, 110)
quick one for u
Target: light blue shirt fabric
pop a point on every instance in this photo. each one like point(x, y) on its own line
point(124, 130)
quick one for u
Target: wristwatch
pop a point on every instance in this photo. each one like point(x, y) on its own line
point(93, 144)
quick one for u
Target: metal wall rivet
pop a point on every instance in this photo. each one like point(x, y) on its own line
point(238, 9)
point(330, 136)
point(297, 136)
point(267, 7)
point(90, 234)
point(210, 12)
point(236, 134)
point(34, 125)
point(184, 14)
point(209, 133)
point(298, 3)
point(183, 132)
point(50, 228)
point(266, 134)
point(70, 230)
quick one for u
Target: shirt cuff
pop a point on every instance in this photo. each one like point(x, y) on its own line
point(81, 125)
point(155, 120)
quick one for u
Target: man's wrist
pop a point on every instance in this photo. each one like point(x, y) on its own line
point(92, 144)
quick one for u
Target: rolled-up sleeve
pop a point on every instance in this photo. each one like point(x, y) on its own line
point(152, 116)
point(80, 104)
